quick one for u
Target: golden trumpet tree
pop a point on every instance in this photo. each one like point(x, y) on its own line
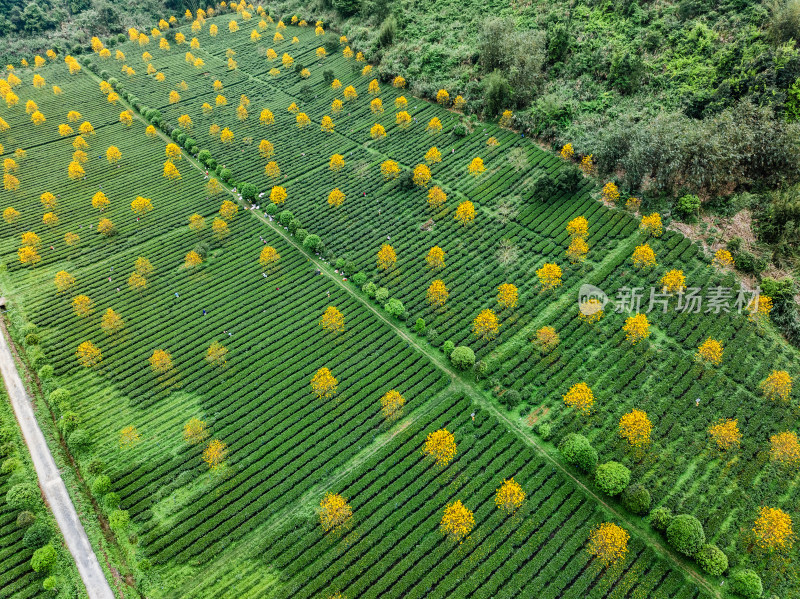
point(332, 320)
point(82, 305)
point(337, 163)
point(580, 397)
point(215, 452)
point(386, 257)
point(785, 449)
point(269, 256)
point(392, 405)
point(546, 339)
point(549, 276)
point(160, 361)
point(608, 544)
point(486, 325)
point(64, 281)
point(217, 355)
point(710, 352)
point(436, 197)
point(507, 296)
point(726, 434)
point(435, 258)
point(111, 322)
point(509, 496)
point(129, 437)
point(334, 512)
point(88, 354)
point(336, 198)
point(457, 521)
point(772, 529)
point(437, 293)
point(465, 213)
point(635, 427)
point(195, 431)
point(440, 445)
point(777, 386)
point(278, 194)
point(324, 384)
point(636, 328)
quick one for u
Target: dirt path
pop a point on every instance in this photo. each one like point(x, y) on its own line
point(53, 487)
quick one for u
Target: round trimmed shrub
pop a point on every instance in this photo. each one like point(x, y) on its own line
point(111, 501)
point(10, 465)
point(660, 518)
point(119, 520)
point(37, 535)
point(382, 294)
point(101, 485)
point(748, 584)
point(394, 307)
point(25, 519)
point(44, 558)
point(370, 289)
point(448, 348)
point(685, 534)
point(712, 560)
point(312, 242)
point(612, 478)
point(50, 583)
point(463, 357)
point(578, 452)
point(79, 440)
point(359, 279)
point(636, 499)
point(22, 496)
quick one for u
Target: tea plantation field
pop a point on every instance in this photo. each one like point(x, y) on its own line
point(249, 527)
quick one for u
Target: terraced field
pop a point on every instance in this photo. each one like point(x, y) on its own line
point(250, 528)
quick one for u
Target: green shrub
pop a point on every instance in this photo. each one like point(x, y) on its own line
point(101, 485)
point(747, 584)
point(382, 294)
point(111, 501)
point(685, 534)
point(687, 206)
point(301, 235)
point(44, 558)
point(25, 519)
point(359, 279)
point(46, 372)
point(462, 357)
point(37, 535)
point(32, 339)
point(370, 289)
point(636, 499)
point(545, 430)
point(419, 326)
point(660, 518)
point(50, 583)
point(22, 496)
point(312, 242)
point(612, 478)
point(68, 422)
point(10, 465)
point(272, 209)
point(448, 348)
point(225, 174)
point(285, 217)
point(79, 440)
point(119, 520)
point(578, 452)
point(394, 307)
point(712, 560)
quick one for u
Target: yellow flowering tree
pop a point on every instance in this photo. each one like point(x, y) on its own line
point(336, 198)
point(217, 355)
point(434, 126)
point(580, 397)
point(111, 322)
point(610, 193)
point(710, 352)
point(390, 169)
point(509, 496)
point(476, 167)
point(486, 325)
point(392, 405)
point(437, 293)
point(433, 156)
point(160, 361)
point(546, 339)
point(651, 224)
point(440, 446)
point(421, 175)
point(608, 544)
point(435, 258)
point(82, 305)
point(215, 454)
point(113, 155)
point(324, 384)
point(129, 437)
point(636, 328)
point(332, 320)
point(337, 163)
point(635, 427)
point(334, 512)
point(643, 257)
point(722, 260)
point(726, 434)
point(777, 386)
point(436, 197)
point(278, 194)
point(772, 529)
point(457, 521)
point(674, 281)
point(195, 431)
point(785, 449)
point(268, 256)
point(577, 250)
point(88, 354)
point(192, 260)
point(567, 151)
point(549, 276)
point(386, 257)
point(377, 131)
point(578, 227)
point(507, 296)
point(465, 213)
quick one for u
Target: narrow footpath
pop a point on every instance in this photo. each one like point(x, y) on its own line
point(53, 487)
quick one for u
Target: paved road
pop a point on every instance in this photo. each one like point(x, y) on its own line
point(53, 487)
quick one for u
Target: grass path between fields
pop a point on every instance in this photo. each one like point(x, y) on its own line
point(308, 502)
